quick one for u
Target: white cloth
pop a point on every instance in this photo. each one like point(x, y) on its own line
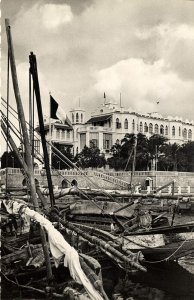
point(59, 247)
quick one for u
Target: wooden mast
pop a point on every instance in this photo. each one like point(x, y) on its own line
point(21, 114)
point(34, 73)
point(27, 147)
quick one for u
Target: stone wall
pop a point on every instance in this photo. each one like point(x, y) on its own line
point(16, 179)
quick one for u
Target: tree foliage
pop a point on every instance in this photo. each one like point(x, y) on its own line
point(90, 157)
point(169, 157)
point(58, 162)
point(10, 160)
point(122, 158)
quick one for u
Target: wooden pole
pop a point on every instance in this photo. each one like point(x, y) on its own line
point(34, 72)
point(107, 247)
point(26, 142)
point(30, 110)
point(134, 155)
point(50, 133)
point(7, 155)
point(21, 112)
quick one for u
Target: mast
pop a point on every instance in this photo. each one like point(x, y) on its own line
point(6, 184)
point(50, 133)
point(26, 142)
point(21, 114)
point(31, 116)
point(34, 72)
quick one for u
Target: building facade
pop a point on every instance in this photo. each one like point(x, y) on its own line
point(108, 125)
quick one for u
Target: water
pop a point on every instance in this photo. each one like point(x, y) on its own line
point(165, 281)
point(161, 282)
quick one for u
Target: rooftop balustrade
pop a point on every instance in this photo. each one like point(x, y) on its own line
point(94, 128)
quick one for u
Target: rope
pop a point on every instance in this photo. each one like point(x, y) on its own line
point(70, 164)
point(25, 176)
point(167, 258)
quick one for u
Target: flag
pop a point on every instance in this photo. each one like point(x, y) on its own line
point(56, 112)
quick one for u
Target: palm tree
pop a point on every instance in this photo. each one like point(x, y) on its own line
point(155, 147)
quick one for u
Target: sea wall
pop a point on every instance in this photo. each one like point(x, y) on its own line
point(88, 178)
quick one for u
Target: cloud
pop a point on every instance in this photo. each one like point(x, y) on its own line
point(55, 15)
point(143, 49)
point(142, 83)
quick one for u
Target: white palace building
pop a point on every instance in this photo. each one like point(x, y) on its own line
point(110, 122)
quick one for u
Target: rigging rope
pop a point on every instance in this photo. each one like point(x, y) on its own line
point(70, 164)
point(168, 257)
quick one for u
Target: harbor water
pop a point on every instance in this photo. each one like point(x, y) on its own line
point(168, 281)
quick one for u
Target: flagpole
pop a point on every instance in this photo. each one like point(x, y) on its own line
point(50, 134)
point(104, 98)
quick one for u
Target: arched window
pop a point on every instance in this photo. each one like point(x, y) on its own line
point(81, 118)
point(151, 128)
point(126, 124)
point(77, 118)
point(179, 131)
point(141, 127)
point(161, 129)
point(118, 124)
point(24, 182)
point(72, 118)
point(145, 127)
point(64, 184)
point(185, 133)
point(166, 130)
point(156, 129)
point(173, 131)
point(133, 124)
point(190, 134)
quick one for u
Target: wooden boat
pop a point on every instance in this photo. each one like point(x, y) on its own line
point(155, 247)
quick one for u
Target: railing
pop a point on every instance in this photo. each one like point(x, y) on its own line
point(10, 171)
point(95, 128)
point(72, 172)
point(43, 172)
point(110, 173)
point(149, 173)
point(111, 179)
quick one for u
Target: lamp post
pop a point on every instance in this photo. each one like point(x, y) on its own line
point(59, 162)
point(12, 161)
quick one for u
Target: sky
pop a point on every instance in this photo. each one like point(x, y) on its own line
point(142, 49)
